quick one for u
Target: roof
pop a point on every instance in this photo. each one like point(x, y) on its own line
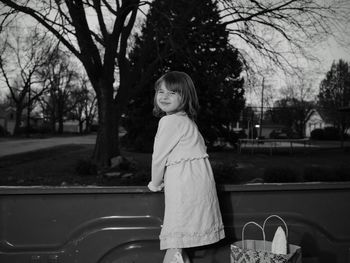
point(318, 111)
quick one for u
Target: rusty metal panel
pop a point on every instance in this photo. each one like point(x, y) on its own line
point(122, 224)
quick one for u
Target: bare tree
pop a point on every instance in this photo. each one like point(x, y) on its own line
point(300, 98)
point(86, 107)
point(285, 31)
point(62, 81)
point(301, 89)
point(20, 61)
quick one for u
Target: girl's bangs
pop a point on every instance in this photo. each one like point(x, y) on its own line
point(172, 83)
point(175, 87)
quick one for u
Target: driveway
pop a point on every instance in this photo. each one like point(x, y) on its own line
point(9, 147)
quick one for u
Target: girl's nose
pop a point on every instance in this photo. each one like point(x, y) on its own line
point(165, 95)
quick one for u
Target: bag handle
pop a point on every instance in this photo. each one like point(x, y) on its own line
point(263, 228)
point(254, 223)
point(280, 218)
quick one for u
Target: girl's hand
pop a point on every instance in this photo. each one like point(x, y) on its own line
point(154, 188)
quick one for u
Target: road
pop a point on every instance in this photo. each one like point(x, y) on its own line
point(13, 146)
point(9, 147)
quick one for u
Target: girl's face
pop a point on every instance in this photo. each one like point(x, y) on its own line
point(167, 100)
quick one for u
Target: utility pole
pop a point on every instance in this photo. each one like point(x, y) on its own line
point(28, 114)
point(261, 107)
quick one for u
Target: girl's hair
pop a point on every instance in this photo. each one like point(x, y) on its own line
point(181, 83)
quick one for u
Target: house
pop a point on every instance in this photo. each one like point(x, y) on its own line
point(8, 118)
point(315, 120)
point(71, 126)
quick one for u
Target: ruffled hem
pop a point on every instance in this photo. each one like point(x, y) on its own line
point(186, 160)
point(193, 234)
point(185, 240)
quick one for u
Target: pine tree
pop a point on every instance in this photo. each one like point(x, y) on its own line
point(335, 93)
point(187, 35)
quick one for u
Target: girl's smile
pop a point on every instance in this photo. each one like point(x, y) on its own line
point(167, 100)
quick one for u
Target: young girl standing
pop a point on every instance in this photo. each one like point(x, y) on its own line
point(180, 163)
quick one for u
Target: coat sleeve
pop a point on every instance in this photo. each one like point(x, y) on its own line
point(167, 137)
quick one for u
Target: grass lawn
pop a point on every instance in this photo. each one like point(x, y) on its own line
point(59, 166)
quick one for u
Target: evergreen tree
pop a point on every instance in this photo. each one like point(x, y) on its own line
point(335, 93)
point(187, 35)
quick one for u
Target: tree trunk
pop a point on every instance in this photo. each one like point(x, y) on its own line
point(107, 141)
point(53, 124)
point(81, 131)
point(60, 118)
point(87, 125)
point(60, 126)
point(17, 127)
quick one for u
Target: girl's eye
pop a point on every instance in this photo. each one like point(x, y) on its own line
point(167, 92)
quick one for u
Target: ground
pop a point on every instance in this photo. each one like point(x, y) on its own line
point(68, 165)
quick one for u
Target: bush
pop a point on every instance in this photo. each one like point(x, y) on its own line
point(3, 132)
point(280, 175)
point(328, 133)
point(331, 133)
point(317, 134)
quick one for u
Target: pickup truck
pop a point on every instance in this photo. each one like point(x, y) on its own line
point(122, 224)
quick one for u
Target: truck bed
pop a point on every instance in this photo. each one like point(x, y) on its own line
point(122, 224)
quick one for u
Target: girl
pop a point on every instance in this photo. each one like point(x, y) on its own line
point(192, 215)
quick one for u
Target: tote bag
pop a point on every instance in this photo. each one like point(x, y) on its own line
point(259, 251)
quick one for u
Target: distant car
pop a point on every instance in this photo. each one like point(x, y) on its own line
point(278, 134)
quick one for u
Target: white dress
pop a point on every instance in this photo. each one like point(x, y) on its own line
point(192, 215)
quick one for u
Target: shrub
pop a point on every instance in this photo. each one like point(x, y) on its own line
point(3, 132)
point(317, 134)
point(330, 133)
point(280, 175)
